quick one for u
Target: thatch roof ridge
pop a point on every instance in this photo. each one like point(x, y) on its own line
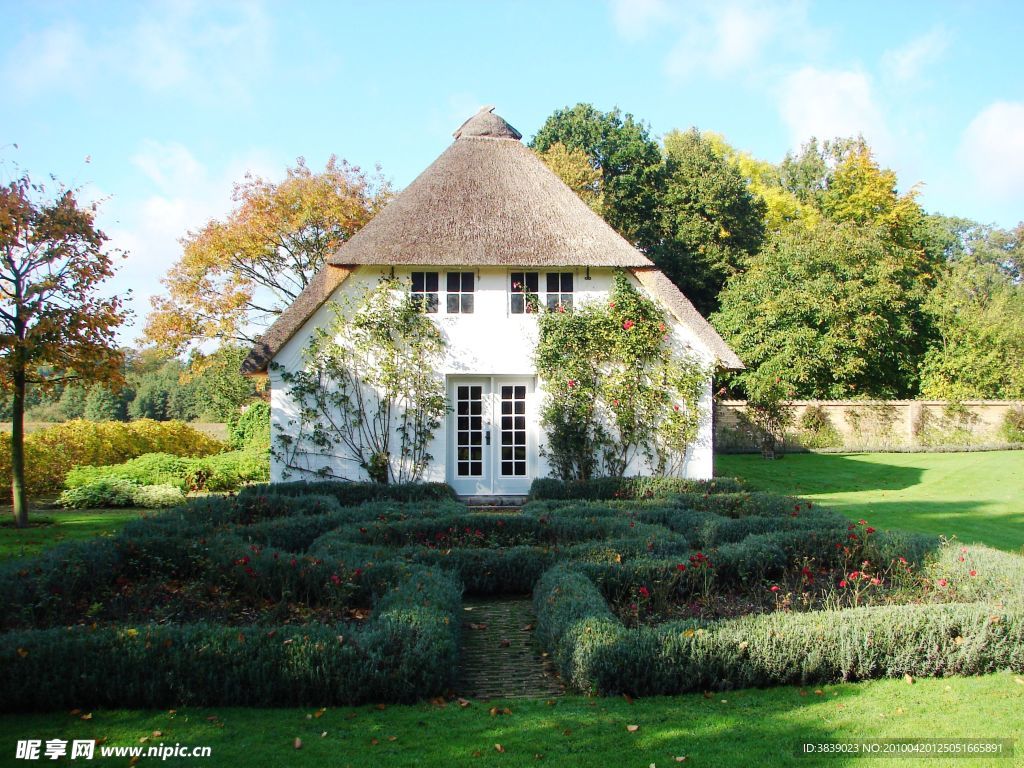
point(660, 287)
point(288, 323)
point(487, 124)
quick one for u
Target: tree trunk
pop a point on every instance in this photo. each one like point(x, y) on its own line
point(18, 499)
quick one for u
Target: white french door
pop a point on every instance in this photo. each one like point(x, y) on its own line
point(492, 435)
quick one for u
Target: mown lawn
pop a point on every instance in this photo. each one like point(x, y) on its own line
point(977, 497)
point(752, 727)
point(47, 529)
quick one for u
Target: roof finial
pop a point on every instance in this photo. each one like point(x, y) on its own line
point(488, 125)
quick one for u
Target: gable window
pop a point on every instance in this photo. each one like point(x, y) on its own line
point(523, 287)
point(461, 286)
point(425, 291)
point(559, 290)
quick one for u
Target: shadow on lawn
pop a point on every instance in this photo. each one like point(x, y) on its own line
point(813, 473)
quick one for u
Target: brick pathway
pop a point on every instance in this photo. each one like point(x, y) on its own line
point(499, 656)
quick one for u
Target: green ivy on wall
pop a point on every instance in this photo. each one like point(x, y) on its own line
point(616, 388)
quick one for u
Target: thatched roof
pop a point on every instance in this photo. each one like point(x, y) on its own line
point(663, 289)
point(488, 200)
point(312, 297)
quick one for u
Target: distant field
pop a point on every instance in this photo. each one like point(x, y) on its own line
point(977, 497)
point(212, 428)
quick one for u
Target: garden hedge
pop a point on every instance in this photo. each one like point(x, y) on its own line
point(408, 651)
point(595, 652)
point(628, 487)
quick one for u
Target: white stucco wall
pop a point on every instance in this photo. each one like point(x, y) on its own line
point(491, 342)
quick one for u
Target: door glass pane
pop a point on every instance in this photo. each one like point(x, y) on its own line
point(513, 431)
point(469, 431)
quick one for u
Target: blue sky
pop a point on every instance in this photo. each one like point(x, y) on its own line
point(172, 102)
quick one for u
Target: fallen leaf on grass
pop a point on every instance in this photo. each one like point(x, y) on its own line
point(632, 728)
point(438, 701)
point(526, 628)
point(628, 698)
point(498, 748)
point(297, 743)
point(157, 734)
point(323, 735)
point(908, 679)
point(464, 703)
point(319, 713)
point(551, 702)
point(680, 758)
point(392, 738)
point(374, 742)
point(87, 716)
point(75, 712)
point(382, 707)
point(495, 711)
point(1019, 680)
point(819, 692)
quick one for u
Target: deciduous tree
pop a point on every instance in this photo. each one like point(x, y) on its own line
point(53, 262)
point(236, 275)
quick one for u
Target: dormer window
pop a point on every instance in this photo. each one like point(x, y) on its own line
point(425, 291)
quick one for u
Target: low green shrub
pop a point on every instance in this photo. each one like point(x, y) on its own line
point(118, 492)
point(594, 652)
point(251, 427)
point(149, 469)
point(407, 651)
point(1012, 428)
point(628, 487)
point(351, 494)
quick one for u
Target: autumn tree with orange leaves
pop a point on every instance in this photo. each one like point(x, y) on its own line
point(235, 276)
point(54, 324)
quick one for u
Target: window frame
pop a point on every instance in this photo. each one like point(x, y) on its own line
point(465, 297)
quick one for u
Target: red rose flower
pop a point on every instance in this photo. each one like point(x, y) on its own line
point(680, 567)
point(942, 582)
point(335, 578)
point(627, 325)
point(854, 575)
point(645, 592)
point(775, 587)
point(843, 583)
point(974, 573)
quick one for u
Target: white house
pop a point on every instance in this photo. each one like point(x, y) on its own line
point(484, 220)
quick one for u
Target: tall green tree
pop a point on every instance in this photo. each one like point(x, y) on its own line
point(629, 160)
point(827, 313)
point(53, 317)
point(711, 222)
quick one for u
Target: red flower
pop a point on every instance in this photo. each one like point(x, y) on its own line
point(611, 304)
point(561, 308)
point(357, 573)
point(293, 562)
point(974, 573)
point(680, 567)
point(903, 560)
point(572, 383)
point(627, 325)
point(942, 582)
point(876, 581)
point(335, 578)
point(675, 407)
point(645, 592)
point(843, 583)
point(854, 575)
point(869, 529)
point(775, 587)
point(250, 572)
point(244, 560)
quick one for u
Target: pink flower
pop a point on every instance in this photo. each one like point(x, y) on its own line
point(903, 560)
point(974, 573)
point(942, 582)
point(876, 581)
point(661, 326)
point(854, 575)
point(611, 304)
point(843, 583)
point(561, 308)
point(335, 578)
point(675, 407)
point(572, 383)
point(775, 587)
point(627, 325)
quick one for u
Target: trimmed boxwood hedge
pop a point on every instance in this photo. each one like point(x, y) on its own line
point(628, 487)
point(407, 651)
point(350, 494)
point(595, 652)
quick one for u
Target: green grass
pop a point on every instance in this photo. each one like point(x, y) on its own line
point(736, 728)
point(977, 497)
point(47, 529)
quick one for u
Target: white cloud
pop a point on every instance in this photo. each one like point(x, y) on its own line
point(203, 50)
point(992, 148)
point(909, 62)
point(181, 193)
point(634, 19)
point(830, 103)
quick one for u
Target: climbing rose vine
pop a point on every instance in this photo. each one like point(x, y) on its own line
point(617, 388)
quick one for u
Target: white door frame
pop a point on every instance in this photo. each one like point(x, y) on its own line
point(497, 462)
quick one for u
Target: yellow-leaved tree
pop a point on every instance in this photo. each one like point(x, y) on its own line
point(235, 276)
